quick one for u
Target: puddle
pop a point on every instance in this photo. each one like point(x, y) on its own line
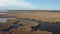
point(3, 20)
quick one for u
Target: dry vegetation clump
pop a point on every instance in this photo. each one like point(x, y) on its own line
point(38, 32)
point(7, 24)
point(28, 24)
point(28, 30)
point(12, 21)
point(41, 32)
point(4, 32)
point(23, 30)
point(2, 26)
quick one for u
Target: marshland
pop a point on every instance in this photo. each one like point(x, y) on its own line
point(30, 22)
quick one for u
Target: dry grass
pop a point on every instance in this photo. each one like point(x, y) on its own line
point(4, 33)
point(7, 24)
point(28, 24)
point(28, 30)
point(45, 16)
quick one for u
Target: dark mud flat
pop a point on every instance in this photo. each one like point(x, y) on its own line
point(54, 28)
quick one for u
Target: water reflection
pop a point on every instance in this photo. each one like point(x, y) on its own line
point(3, 20)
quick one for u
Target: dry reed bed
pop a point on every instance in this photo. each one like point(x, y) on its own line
point(44, 16)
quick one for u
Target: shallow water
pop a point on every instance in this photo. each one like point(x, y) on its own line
point(4, 20)
point(50, 27)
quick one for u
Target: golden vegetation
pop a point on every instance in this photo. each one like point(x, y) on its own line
point(28, 24)
point(45, 16)
point(28, 30)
